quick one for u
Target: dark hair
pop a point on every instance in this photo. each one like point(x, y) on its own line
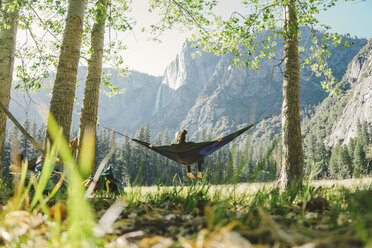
point(181, 136)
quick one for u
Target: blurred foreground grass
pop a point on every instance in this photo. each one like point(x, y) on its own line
point(329, 213)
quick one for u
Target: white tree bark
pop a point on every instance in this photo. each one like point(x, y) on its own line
point(88, 117)
point(292, 162)
point(8, 34)
point(63, 95)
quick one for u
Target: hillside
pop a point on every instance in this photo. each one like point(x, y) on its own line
point(337, 118)
point(199, 94)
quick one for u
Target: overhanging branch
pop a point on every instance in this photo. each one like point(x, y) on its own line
point(24, 132)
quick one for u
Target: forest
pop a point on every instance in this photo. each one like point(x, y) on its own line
point(300, 178)
point(130, 159)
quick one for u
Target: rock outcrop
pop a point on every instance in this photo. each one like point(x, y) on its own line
point(202, 95)
point(358, 108)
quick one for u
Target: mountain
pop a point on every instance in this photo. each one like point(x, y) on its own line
point(339, 117)
point(126, 111)
point(223, 100)
point(200, 94)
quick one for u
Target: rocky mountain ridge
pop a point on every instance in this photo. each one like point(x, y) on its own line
point(200, 94)
point(229, 99)
point(339, 117)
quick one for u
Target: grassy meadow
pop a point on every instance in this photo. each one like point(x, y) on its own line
point(196, 214)
point(322, 214)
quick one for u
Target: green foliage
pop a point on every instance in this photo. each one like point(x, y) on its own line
point(187, 13)
point(339, 161)
point(80, 216)
point(118, 20)
point(5, 189)
point(257, 160)
point(42, 23)
point(351, 160)
point(340, 165)
point(48, 167)
point(240, 34)
point(80, 219)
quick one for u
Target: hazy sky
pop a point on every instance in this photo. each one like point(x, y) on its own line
point(147, 56)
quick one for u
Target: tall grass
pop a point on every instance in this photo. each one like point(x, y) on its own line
point(80, 217)
point(79, 213)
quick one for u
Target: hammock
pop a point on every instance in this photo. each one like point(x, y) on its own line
point(190, 152)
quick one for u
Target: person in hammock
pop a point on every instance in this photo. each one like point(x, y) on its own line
point(188, 153)
point(181, 138)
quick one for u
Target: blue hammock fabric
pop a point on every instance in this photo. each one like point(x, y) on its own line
point(190, 152)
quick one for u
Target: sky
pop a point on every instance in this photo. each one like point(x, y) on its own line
point(150, 57)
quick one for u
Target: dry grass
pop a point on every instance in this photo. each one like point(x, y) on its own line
point(250, 189)
point(353, 183)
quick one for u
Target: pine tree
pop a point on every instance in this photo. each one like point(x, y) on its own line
point(147, 133)
point(310, 150)
point(24, 143)
point(369, 159)
point(40, 134)
point(249, 169)
point(115, 159)
point(6, 158)
point(136, 172)
point(33, 131)
point(167, 166)
point(323, 161)
point(103, 145)
point(148, 159)
point(14, 140)
point(158, 160)
point(203, 136)
point(125, 159)
point(359, 131)
point(351, 146)
point(365, 134)
point(334, 161)
point(359, 161)
point(159, 138)
point(345, 164)
point(166, 137)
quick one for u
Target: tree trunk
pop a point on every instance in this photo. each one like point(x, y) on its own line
point(292, 162)
point(7, 50)
point(63, 94)
point(88, 117)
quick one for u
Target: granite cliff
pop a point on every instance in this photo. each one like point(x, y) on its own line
point(339, 116)
point(202, 95)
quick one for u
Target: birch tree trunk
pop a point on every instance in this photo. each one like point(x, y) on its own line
point(8, 34)
point(292, 162)
point(88, 117)
point(63, 93)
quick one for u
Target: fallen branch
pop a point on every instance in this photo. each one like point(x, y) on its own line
point(25, 133)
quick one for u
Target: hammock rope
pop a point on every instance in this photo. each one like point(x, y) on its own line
point(264, 118)
point(190, 152)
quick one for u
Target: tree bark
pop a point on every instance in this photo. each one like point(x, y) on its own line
point(63, 94)
point(88, 117)
point(8, 35)
point(292, 162)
